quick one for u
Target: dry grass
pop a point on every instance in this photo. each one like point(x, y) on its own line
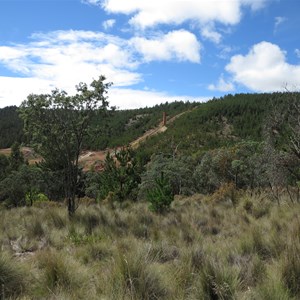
point(201, 249)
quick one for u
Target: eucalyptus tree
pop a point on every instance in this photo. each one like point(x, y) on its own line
point(57, 125)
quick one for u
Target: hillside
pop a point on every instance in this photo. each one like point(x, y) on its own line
point(219, 122)
point(192, 128)
point(114, 128)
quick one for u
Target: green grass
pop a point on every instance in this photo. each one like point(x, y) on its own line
point(201, 249)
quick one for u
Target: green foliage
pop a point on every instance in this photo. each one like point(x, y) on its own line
point(21, 187)
point(160, 196)
point(35, 197)
point(242, 164)
point(282, 132)
point(4, 164)
point(217, 123)
point(57, 125)
point(120, 127)
point(13, 189)
point(16, 158)
point(10, 127)
point(120, 175)
point(177, 170)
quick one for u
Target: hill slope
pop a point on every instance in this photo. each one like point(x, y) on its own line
point(216, 123)
point(193, 128)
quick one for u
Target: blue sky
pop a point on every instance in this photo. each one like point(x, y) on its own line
point(153, 51)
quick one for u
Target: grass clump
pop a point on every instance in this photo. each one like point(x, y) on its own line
point(218, 281)
point(139, 277)
point(291, 270)
point(60, 274)
point(13, 279)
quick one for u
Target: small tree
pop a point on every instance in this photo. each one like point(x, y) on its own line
point(16, 158)
point(120, 175)
point(22, 186)
point(4, 164)
point(57, 124)
point(160, 196)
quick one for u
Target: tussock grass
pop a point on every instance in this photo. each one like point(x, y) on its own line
point(136, 274)
point(291, 269)
point(201, 249)
point(13, 279)
point(218, 280)
point(60, 273)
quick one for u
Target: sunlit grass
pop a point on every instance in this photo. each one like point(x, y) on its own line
point(201, 249)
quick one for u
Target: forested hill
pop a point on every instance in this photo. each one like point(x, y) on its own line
point(218, 122)
point(116, 128)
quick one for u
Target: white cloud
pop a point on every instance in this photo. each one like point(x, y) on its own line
point(211, 34)
point(14, 90)
point(108, 24)
point(151, 13)
point(264, 69)
point(205, 13)
point(64, 58)
point(222, 85)
point(180, 45)
point(129, 98)
point(71, 56)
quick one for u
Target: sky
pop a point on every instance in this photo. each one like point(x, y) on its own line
point(152, 51)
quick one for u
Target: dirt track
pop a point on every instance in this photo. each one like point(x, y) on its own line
point(89, 159)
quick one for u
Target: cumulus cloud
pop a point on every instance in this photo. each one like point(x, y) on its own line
point(222, 85)
point(264, 69)
point(205, 13)
point(150, 13)
point(71, 56)
point(64, 58)
point(179, 45)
